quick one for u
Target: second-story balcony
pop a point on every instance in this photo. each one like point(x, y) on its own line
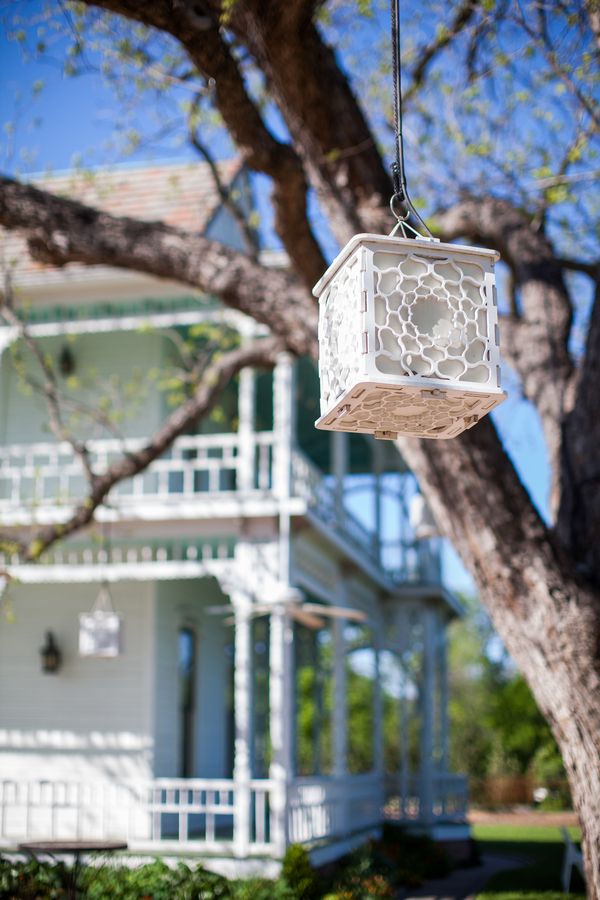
point(216, 476)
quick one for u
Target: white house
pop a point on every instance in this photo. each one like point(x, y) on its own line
point(235, 719)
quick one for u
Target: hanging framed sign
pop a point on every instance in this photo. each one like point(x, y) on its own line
point(100, 630)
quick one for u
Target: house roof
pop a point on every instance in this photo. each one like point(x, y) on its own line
point(179, 194)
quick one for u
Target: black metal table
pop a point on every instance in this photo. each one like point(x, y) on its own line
point(71, 848)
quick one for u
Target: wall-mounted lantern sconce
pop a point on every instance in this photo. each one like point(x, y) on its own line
point(51, 655)
point(66, 362)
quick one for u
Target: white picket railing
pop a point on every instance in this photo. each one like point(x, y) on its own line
point(309, 483)
point(195, 813)
point(406, 799)
point(200, 813)
point(35, 474)
point(38, 480)
point(324, 807)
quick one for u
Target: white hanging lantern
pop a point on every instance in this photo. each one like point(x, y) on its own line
point(100, 629)
point(408, 338)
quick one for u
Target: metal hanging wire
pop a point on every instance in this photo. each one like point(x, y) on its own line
point(400, 196)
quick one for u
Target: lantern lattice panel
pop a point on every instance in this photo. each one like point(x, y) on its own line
point(340, 360)
point(408, 336)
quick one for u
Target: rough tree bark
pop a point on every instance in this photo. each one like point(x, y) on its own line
point(540, 584)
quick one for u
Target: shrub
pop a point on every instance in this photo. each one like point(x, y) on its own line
point(263, 889)
point(156, 881)
point(32, 880)
point(298, 873)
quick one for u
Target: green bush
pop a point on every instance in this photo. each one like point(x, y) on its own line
point(32, 880)
point(263, 889)
point(372, 872)
point(298, 873)
point(398, 859)
point(156, 881)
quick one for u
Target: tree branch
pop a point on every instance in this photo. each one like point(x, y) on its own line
point(446, 34)
point(49, 388)
point(330, 132)
point(249, 234)
point(215, 378)
point(202, 38)
point(539, 338)
point(60, 231)
point(580, 265)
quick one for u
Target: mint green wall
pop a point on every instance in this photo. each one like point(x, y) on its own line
point(123, 360)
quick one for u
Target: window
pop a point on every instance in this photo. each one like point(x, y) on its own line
point(187, 700)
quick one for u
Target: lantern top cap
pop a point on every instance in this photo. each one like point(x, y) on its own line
point(433, 248)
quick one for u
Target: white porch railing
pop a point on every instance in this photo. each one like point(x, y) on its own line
point(32, 475)
point(194, 813)
point(41, 479)
point(309, 483)
point(325, 808)
point(198, 814)
point(405, 798)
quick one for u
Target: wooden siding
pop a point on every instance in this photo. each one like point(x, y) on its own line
point(91, 720)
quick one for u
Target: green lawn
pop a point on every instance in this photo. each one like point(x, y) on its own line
point(538, 853)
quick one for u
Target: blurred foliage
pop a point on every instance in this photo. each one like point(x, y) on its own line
point(496, 727)
point(374, 870)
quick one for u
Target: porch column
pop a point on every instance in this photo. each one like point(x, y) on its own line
point(246, 404)
point(378, 451)
point(281, 696)
point(443, 676)
point(378, 740)
point(284, 423)
point(340, 701)
point(242, 707)
point(339, 456)
point(402, 626)
point(427, 714)
point(378, 704)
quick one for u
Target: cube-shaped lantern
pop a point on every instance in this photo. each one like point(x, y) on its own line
point(408, 338)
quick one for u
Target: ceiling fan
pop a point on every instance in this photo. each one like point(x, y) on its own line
point(312, 615)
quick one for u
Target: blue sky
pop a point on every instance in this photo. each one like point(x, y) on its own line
point(55, 122)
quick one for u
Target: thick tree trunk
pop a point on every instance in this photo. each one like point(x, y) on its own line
point(548, 618)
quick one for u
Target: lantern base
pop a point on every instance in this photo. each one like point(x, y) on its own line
point(389, 410)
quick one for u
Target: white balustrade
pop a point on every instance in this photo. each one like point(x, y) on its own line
point(38, 480)
point(324, 808)
point(197, 813)
point(44, 473)
point(450, 798)
point(309, 483)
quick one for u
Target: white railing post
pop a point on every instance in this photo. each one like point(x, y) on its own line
point(242, 707)
point(339, 453)
point(281, 712)
point(246, 442)
point(284, 423)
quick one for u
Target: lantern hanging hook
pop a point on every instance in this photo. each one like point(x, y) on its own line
point(402, 223)
point(398, 166)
